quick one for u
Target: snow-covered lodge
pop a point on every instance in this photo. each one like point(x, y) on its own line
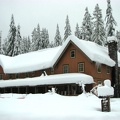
point(65, 68)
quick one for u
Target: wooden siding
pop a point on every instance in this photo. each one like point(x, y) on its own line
point(65, 59)
point(90, 67)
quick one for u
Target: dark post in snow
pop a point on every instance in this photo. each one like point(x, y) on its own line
point(105, 102)
point(105, 93)
point(112, 49)
point(112, 46)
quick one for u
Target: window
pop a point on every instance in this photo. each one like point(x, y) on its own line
point(17, 75)
point(99, 68)
point(27, 75)
point(52, 70)
point(1, 77)
point(72, 53)
point(108, 69)
point(33, 74)
point(10, 76)
point(81, 67)
point(65, 68)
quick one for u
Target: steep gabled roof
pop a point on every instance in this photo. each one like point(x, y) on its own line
point(46, 58)
point(92, 50)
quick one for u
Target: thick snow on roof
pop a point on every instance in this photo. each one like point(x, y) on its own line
point(48, 80)
point(94, 51)
point(111, 39)
point(46, 58)
point(28, 62)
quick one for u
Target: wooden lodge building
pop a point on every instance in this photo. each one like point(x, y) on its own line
point(65, 68)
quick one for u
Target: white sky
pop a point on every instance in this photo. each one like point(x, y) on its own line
point(28, 13)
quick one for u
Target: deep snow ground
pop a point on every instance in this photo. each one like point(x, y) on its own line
point(55, 107)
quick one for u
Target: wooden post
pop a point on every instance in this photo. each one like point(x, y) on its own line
point(105, 104)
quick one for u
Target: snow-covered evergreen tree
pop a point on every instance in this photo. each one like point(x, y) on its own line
point(25, 45)
point(67, 29)
point(118, 37)
point(98, 34)
point(44, 38)
point(39, 38)
point(28, 44)
point(11, 38)
point(57, 39)
point(0, 42)
point(34, 45)
point(77, 31)
point(110, 21)
point(17, 49)
point(51, 44)
point(4, 46)
point(86, 29)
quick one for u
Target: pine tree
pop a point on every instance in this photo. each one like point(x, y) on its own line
point(77, 31)
point(57, 39)
point(51, 44)
point(4, 46)
point(44, 38)
point(28, 44)
point(98, 34)
point(39, 38)
point(110, 21)
point(118, 37)
point(67, 29)
point(11, 38)
point(17, 43)
point(86, 29)
point(34, 45)
point(0, 42)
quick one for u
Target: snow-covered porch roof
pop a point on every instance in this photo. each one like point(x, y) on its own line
point(76, 78)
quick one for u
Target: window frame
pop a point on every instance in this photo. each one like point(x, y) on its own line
point(52, 70)
point(99, 68)
point(66, 68)
point(72, 53)
point(108, 69)
point(17, 75)
point(10, 76)
point(1, 76)
point(81, 68)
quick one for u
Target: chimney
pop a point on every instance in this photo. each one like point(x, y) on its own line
point(112, 49)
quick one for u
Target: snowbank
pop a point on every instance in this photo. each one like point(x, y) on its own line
point(50, 79)
point(56, 107)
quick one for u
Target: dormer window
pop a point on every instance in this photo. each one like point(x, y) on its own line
point(72, 53)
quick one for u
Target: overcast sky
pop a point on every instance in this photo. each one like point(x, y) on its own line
point(28, 13)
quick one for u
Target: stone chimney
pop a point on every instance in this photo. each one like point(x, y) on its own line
point(112, 49)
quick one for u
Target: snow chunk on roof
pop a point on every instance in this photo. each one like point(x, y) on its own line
point(111, 39)
point(92, 50)
point(28, 62)
point(49, 80)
